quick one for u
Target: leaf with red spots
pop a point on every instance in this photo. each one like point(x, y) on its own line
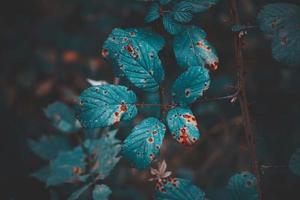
point(120, 38)
point(275, 16)
point(141, 65)
point(282, 21)
point(105, 105)
point(192, 49)
point(243, 186)
point(183, 125)
point(185, 91)
point(177, 189)
point(144, 142)
point(67, 167)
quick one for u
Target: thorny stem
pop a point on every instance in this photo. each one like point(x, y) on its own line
point(242, 97)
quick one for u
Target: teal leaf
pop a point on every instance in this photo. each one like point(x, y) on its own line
point(101, 192)
point(62, 117)
point(282, 20)
point(118, 39)
point(286, 46)
point(183, 125)
point(105, 152)
point(67, 167)
point(48, 147)
point(185, 91)
point(182, 12)
point(76, 195)
point(147, 35)
point(243, 186)
point(294, 163)
point(144, 142)
point(178, 189)
point(164, 2)
point(192, 49)
point(105, 105)
point(42, 174)
point(171, 26)
point(153, 13)
point(199, 6)
point(141, 65)
point(276, 16)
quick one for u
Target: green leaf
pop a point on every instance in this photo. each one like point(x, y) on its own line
point(282, 20)
point(183, 125)
point(243, 186)
point(143, 143)
point(171, 26)
point(105, 105)
point(62, 117)
point(141, 65)
point(178, 189)
point(276, 16)
point(153, 13)
point(48, 147)
point(286, 46)
point(67, 167)
point(185, 91)
point(105, 152)
point(199, 6)
point(192, 49)
point(101, 192)
point(182, 12)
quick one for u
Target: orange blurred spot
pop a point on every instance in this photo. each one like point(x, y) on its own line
point(70, 56)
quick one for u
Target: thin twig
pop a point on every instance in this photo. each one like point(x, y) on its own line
point(242, 97)
point(161, 99)
point(155, 105)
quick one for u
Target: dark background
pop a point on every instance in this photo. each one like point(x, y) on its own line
point(48, 49)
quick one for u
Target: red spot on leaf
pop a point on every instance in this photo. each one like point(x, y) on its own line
point(123, 108)
point(104, 53)
point(213, 66)
point(150, 140)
